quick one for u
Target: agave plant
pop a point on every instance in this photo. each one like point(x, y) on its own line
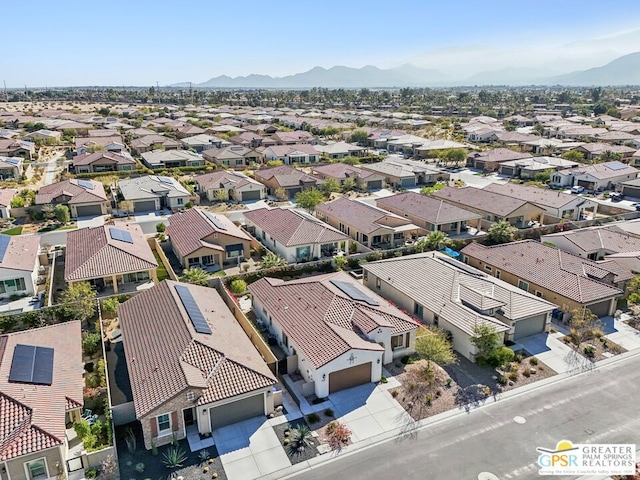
point(174, 457)
point(300, 438)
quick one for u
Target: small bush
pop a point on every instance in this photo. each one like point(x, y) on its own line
point(407, 360)
point(140, 467)
point(383, 379)
point(328, 412)
point(533, 361)
point(160, 227)
point(448, 382)
point(238, 287)
point(428, 399)
point(518, 357)
point(313, 418)
point(92, 472)
point(394, 393)
point(526, 372)
point(589, 351)
point(500, 356)
point(513, 376)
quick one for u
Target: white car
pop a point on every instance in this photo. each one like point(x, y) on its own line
point(577, 189)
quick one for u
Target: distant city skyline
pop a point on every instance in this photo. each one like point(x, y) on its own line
point(74, 43)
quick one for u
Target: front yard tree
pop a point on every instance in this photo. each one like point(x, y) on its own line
point(330, 185)
point(17, 202)
point(281, 194)
point(309, 199)
point(62, 213)
point(48, 212)
point(437, 241)
point(485, 338)
point(634, 290)
point(501, 232)
point(454, 156)
point(434, 346)
point(349, 184)
point(126, 206)
point(271, 260)
point(359, 137)
point(79, 301)
point(196, 276)
point(584, 325)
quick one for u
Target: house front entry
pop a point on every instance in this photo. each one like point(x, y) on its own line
point(189, 416)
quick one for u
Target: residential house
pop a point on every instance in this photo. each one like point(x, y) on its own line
point(150, 193)
point(109, 256)
point(366, 224)
point(251, 140)
point(431, 148)
point(293, 138)
point(17, 148)
point(234, 156)
point(429, 213)
point(188, 130)
point(630, 188)
point(450, 295)
point(172, 158)
point(200, 372)
point(201, 239)
point(11, 168)
point(364, 179)
point(490, 160)
point(340, 150)
point(592, 151)
point(594, 243)
point(290, 154)
point(83, 197)
point(113, 143)
point(44, 135)
point(558, 206)
point(290, 179)
point(6, 195)
point(404, 173)
point(348, 331)
point(563, 279)
point(530, 167)
point(293, 235)
point(230, 185)
point(103, 161)
point(493, 207)
point(146, 143)
point(597, 177)
point(203, 142)
point(41, 384)
point(19, 264)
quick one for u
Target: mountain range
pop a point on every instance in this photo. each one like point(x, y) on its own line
point(624, 70)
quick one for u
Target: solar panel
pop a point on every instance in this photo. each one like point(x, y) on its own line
point(31, 364)
point(197, 318)
point(616, 166)
point(166, 180)
point(4, 244)
point(216, 223)
point(354, 292)
point(12, 161)
point(120, 235)
point(86, 184)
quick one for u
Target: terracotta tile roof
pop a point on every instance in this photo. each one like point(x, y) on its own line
point(500, 155)
point(480, 199)
point(89, 158)
point(222, 179)
point(340, 171)
point(32, 417)
point(285, 176)
point(292, 228)
point(361, 216)
point(539, 196)
point(103, 141)
point(567, 275)
point(455, 291)
point(147, 141)
point(21, 254)
point(71, 188)
point(92, 253)
point(220, 365)
point(187, 230)
point(429, 209)
point(6, 195)
point(611, 239)
point(603, 171)
point(323, 321)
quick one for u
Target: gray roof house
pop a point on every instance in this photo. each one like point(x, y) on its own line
point(172, 158)
point(444, 292)
point(204, 142)
point(152, 192)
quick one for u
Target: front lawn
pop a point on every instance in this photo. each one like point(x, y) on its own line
point(162, 272)
point(13, 231)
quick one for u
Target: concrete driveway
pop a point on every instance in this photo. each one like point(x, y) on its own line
point(619, 332)
point(84, 222)
point(553, 352)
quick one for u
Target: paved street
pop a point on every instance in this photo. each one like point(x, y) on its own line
point(595, 407)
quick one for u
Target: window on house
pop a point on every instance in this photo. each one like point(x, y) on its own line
point(436, 318)
point(539, 294)
point(207, 260)
point(497, 273)
point(418, 310)
point(194, 261)
point(488, 268)
point(523, 285)
point(365, 275)
point(164, 423)
point(285, 340)
point(13, 285)
point(378, 283)
point(180, 201)
point(37, 468)
point(400, 341)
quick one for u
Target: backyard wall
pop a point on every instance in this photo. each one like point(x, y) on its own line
point(155, 246)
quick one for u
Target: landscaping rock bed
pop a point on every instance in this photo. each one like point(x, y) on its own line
point(307, 453)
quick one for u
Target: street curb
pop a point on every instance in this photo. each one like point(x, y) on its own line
point(400, 434)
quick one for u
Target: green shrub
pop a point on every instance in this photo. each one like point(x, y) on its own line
point(500, 356)
point(526, 372)
point(383, 379)
point(328, 412)
point(313, 418)
point(589, 351)
point(238, 287)
point(161, 227)
point(90, 343)
point(513, 376)
point(533, 361)
point(502, 380)
point(91, 472)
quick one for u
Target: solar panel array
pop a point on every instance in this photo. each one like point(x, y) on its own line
point(354, 292)
point(12, 161)
point(86, 184)
point(195, 314)
point(616, 166)
point(166, 180)
point(4, 244)
point(216, 223)
point(31, 364)
point(120, 235)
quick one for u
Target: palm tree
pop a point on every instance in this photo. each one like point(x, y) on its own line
point(501, 232)
point(437, 240)
point(271, 260)
point(196, 276)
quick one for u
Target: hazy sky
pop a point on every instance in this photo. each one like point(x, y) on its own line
point(139, 42)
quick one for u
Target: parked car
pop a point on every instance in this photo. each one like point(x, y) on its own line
point(616, 197)
point(577, 189)
point(638, 207)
